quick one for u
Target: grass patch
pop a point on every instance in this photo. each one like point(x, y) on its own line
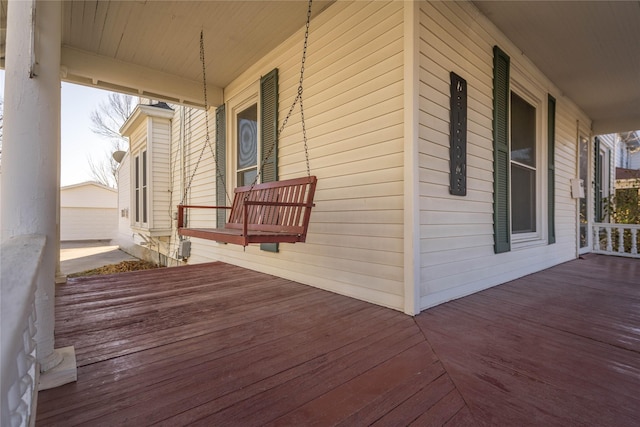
point(121, 267)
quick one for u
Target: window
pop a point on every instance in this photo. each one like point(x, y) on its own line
point(519, 159)
point(247, 145)
point(149, 180)
point(253, 121)
point(136, 173)
point(140, 188)
point(523, 166)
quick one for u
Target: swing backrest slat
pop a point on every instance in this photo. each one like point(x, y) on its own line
point(279, 206)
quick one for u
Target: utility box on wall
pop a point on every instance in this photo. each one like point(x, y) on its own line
point(184, 249)
point(577, 188)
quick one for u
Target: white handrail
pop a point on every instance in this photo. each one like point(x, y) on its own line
point(20, 260)
point(616, 239)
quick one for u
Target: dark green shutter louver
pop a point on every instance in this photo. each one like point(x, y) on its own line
point(597, 182)
point(501, 154)
point(221, 149)
point(551, 190)
point(269, 134)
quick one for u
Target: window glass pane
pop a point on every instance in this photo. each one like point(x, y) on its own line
point(137, 187)
point(523, 199)
point(523, 131)
point(137, 172)
point(144, 168)
point(144, 204)
point(247, 177)
point(247, 122)
point(137, 205)
point(144, 187)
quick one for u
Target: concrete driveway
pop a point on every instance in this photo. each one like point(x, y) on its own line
point(76, 257)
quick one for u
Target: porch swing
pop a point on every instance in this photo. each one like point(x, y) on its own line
point(271, 212)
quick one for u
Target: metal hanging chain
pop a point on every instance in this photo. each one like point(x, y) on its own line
point(297, 100)
point(206, 121)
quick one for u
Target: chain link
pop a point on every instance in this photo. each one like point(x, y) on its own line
point(297, 100)
point(207, 138)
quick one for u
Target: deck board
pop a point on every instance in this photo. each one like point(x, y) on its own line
point(215, 344)
point(566, 338)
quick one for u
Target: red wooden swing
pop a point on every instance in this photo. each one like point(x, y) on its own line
point(271, 212)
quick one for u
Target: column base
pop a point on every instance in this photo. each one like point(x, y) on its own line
point(61, 279)
point(63, 373)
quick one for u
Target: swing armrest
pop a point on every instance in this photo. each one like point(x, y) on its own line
point(259, 203)
point(181, 209)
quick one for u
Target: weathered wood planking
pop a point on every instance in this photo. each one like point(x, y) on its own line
point(559, 347)
point(216, 344)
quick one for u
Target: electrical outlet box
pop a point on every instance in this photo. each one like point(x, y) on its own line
point(184, 249)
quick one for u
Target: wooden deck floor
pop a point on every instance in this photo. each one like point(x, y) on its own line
point(217, 345)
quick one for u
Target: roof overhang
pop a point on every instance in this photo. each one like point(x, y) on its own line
point(152, 48)
point(142, 112)
point(589, 49)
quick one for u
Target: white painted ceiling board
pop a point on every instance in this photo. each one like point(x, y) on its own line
point(589, 49)
point(165, 35)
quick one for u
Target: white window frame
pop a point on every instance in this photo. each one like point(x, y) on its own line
point(139, 200)
point(236, 105)
point(536, 96)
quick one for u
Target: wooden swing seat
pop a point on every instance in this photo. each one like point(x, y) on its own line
point(272, 212)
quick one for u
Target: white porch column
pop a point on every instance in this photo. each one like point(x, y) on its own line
point(31, 143)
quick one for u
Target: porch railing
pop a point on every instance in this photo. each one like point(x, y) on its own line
point(20, 261)
point(616, 239)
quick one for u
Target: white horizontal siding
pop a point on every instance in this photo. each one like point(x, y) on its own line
point(88, 195)
point(456, 233)
point(124, 200)
point(138, 140)
point(353, 100)
point(88, 223)
point(160, 146)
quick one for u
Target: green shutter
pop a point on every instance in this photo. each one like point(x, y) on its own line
point(501, 154)
point(551, 191)
point(221, 169)
point(597, 182)
point(269, 134)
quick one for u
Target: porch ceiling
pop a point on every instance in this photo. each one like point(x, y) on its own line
point(589, 49)
point(151, 48)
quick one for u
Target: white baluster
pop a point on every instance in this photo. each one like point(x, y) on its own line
point(609, 242)
point(596, 238)
point(634, 241)
point(620, 240)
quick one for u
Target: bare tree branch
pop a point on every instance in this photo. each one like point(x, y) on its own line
point(104, 171)
point(106, 121)
point(109, 116)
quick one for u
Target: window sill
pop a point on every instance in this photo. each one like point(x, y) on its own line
point(527, 242)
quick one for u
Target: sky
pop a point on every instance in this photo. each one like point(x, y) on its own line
point(78, 141)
